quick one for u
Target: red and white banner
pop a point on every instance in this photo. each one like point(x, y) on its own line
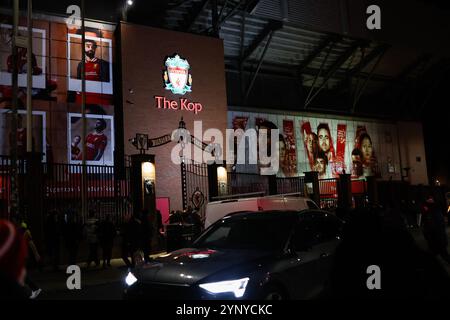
point(290, 158)
point(341, 140)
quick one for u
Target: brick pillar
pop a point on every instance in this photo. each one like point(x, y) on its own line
point(213, 187)
point(273, 185)
point(372, 191)
point(143, 196)
point(313, 178)
point(344, 191)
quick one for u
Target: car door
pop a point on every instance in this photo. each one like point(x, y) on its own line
point(328, 231)
point(299, 268)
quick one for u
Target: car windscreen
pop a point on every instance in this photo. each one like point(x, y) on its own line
point(254, 232)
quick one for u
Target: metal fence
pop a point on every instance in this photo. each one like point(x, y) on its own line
point(104, 194)
point(62, 189)
point(291, 185)
point(242, 183)
point(5, 184)
point(328, 189)
point(359, 193)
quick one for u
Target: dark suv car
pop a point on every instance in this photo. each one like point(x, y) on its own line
point(250, 255)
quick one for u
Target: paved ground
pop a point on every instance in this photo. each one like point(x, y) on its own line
point(96, 283)
point(108, 284)
point(422, 243)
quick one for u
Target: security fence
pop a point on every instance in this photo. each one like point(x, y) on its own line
point(61, 189)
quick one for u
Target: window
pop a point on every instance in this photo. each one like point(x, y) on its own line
point(305, 234)
point(255, 231)
point(328, 227)
point(220, 235)
point(315, 228)
point(311, 205)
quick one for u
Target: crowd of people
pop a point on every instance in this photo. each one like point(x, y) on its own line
point(139, 232)
point(65, 232)
point(66, 235)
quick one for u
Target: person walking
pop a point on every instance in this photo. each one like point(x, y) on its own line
point(132, 239)
point(13, 254)
point(434, 228)
point(159, 230)
point(126, 234)
point(53, 238)
point(107, 235)
point(147, 233)
point(194, 218)
point(72, 234)
point(34, 258)
point(91, 233)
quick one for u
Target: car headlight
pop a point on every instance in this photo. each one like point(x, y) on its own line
point(130, 279)
point(235, 286)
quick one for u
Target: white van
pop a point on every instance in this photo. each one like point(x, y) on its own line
point(219, 209)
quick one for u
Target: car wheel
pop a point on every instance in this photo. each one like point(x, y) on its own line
point(273, 293)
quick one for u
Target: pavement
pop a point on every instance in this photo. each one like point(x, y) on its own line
point(97, 283)
point(422, 244)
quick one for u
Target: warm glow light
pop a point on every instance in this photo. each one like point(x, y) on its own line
point(148, 170)
point(221, 175)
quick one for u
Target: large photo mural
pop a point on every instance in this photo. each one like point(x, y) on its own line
point(56, 97)
point(329, 146)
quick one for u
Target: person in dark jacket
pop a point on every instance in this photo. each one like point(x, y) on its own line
point(132, 239)
point(53, 238)
point(159, 230)
point(194, 218)
point(107, 235)
point(72, 234)
point(434, 228)
point(91, 232)
point(147, 233)
point(13, 252)
point(125, 233)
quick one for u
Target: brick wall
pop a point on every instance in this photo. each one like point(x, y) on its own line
point(144, 51)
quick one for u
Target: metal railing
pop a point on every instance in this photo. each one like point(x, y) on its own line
point(239, 183)
point(61, 189)
point(291, 185)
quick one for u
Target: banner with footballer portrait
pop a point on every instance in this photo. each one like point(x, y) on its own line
point(38, 57)
point(329, 146)
point(39, 143)
point(99, 139)
point(98, 71)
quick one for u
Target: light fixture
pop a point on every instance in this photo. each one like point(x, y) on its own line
point(130, 2)
point(200, 256)
point(235, 286)
point(130, 279)
point(148, 169)
point(222, 174)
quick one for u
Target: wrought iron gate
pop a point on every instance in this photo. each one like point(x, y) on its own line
point(195, 187)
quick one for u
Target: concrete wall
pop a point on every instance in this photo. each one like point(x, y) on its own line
point(412, 151)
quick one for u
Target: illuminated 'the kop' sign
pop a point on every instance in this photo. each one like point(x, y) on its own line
point(178, 80)
point(182, 104)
